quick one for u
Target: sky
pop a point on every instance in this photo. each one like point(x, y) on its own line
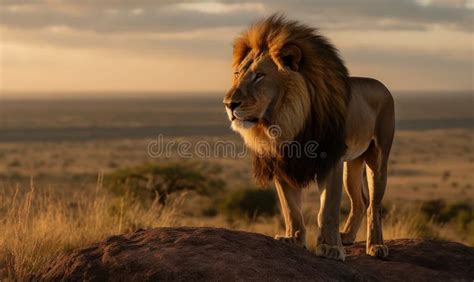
point(65, 47)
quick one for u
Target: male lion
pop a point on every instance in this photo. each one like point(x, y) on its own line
point(291, 87)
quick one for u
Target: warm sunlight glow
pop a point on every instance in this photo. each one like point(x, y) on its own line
point(52, 46)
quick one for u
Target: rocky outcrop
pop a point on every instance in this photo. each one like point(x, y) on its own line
point(226, 255)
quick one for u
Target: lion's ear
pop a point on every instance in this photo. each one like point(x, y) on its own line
point(290, 57)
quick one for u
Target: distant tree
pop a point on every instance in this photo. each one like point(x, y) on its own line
point(158, 181)
point(250, 203)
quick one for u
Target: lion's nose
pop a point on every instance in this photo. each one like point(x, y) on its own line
point(232, 105)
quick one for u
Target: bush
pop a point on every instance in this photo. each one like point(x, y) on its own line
point(433, 209)
point(250, 203)
point(151, 182)
point(440, 212)
point(463, 213)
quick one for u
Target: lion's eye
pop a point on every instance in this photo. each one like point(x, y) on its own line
point(236, 74)
point(258, 76)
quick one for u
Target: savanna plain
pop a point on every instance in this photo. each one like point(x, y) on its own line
point(74, 171)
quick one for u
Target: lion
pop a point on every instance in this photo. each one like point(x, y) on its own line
point(290, 86)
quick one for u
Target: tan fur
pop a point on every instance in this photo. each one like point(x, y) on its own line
point(290, 78)
point(271, 36)
point(304, 93)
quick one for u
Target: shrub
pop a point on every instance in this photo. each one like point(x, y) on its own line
point(433, 209)
point(440, 212)
point(209, 211)
point(151, 182)
point(250, 203)
point(463, 215)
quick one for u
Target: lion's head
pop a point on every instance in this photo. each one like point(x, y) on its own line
point(289, 78)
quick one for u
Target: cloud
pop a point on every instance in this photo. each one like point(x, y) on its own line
point(381, 38)
point(221, 8)
point(120, 17)
point(379, 14)
point(172, 16)
point(407, 58)
point(215, 43)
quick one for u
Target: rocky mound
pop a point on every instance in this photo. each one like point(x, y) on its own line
point(226, 255)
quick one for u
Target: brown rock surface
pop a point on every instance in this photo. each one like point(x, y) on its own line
point(227, 255)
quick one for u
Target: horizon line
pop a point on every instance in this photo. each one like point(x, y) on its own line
point(110, 94)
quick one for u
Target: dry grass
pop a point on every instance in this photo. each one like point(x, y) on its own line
point(404, 223)
point(39, 225)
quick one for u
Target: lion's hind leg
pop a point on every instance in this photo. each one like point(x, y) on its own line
point(376, 170)
point(353, 179)
point(376, 158)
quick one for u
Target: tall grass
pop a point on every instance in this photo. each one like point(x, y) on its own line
point(38, 224)
point(406, 222)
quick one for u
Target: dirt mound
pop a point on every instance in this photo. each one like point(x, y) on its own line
point(227, 255)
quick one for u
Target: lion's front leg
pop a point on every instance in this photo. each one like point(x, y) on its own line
point(290, 203)
point(328, 243)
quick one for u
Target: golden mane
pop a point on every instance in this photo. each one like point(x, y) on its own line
point(327, 81)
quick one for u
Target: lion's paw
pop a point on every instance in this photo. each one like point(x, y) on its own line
point(379, 251)
point(347, 239)
point(297, 240)
point(331, 252)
